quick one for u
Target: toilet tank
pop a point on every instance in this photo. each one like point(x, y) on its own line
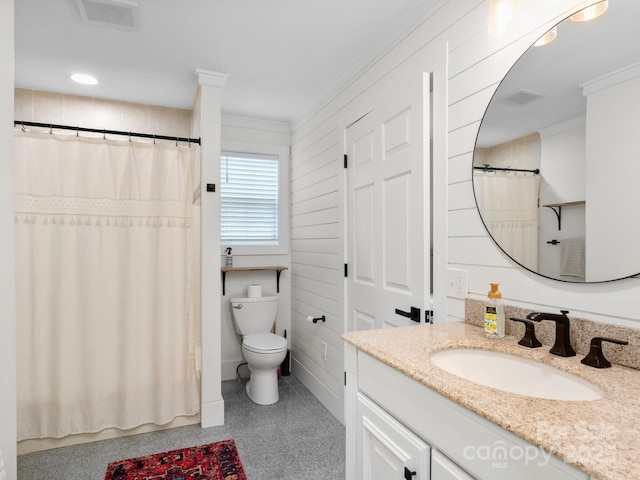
point(254, 315)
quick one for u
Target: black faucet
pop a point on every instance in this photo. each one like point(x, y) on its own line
point(529, 339)
point(595, 358)
point(562, 347)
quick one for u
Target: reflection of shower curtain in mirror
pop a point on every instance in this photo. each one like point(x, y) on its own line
point(103, 282)
point(508, 203)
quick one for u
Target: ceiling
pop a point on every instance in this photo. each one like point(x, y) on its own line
point(582, 52)
point(282, 57)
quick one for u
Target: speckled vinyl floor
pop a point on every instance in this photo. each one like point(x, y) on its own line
point(294, 439)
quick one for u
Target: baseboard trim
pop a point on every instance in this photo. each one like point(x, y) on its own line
point(212, 414)
point(333, 403)
point(228, 369)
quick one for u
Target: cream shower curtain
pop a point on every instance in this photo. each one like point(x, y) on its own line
point(508, 204)
point(103, 280)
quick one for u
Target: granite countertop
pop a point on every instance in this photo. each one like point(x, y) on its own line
point(600, 437)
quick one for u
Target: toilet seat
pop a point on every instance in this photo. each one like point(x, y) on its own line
point(264, 342)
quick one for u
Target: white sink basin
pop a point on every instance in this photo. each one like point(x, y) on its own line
point(514, 374)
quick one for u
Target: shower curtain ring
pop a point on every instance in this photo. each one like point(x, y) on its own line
point(129, 137)
point(176, 141)
point(104, 134)
point(50, 129)
point(77, 131)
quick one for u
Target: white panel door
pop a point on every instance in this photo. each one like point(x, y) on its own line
point(387, 197)
point(387, 450)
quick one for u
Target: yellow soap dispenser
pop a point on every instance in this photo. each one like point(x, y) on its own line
point(494, 313)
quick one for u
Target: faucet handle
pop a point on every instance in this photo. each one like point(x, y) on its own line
point(595, 357)
point(529, 339)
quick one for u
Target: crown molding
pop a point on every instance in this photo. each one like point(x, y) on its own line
point(611, 79)
point(211, 78)
point(577, 122)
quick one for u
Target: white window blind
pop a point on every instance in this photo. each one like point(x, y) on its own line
point(248, 199)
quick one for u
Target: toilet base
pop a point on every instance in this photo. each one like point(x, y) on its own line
point(262, 387)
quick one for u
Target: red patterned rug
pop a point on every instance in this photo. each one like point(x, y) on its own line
point(216, 461)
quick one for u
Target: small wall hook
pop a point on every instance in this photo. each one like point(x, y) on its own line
point(319, 319)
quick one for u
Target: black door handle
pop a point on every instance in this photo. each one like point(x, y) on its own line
point(414, 314)
point(408, 474)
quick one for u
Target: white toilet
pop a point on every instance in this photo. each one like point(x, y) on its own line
point(264, 351)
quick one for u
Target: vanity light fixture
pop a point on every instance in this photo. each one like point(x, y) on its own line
point(589, 13)
point(84, 79)
point(502, 16)
point(548, 37)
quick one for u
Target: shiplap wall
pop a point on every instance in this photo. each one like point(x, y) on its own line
point(317, 264)
point(476, 66)
point(452, 42)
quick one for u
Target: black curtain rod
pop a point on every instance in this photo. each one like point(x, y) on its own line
point(489, 168)
point(51, 126)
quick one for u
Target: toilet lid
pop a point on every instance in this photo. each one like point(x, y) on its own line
point(264, 342)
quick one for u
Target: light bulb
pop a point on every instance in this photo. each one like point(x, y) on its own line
point(589, 13)
point(502, 16)
point(84, 79)
point(548, 37)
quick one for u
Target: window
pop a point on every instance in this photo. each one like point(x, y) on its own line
point(250, 201)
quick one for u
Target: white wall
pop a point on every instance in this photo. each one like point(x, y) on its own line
point(318, 209)
point(613, 169)
point(251, 136)
point(563, 163)
point(477, 62)
point(452, 42)
point(563, 166)
point(7, 278)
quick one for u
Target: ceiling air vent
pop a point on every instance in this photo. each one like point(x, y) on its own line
point(110, 13)
point(521, 97)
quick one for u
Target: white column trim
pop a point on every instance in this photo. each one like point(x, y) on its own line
point(211, 78)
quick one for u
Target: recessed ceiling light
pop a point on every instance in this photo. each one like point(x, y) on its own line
point(84, 79)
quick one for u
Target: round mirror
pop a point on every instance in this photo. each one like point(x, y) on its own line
point(556, 168)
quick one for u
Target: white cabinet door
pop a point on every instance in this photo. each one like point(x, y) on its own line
point(386, 449)
point(444, 469)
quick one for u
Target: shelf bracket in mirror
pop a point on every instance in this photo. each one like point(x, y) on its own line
point(557, 209)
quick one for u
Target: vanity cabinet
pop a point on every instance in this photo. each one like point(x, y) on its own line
point(393, 422)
